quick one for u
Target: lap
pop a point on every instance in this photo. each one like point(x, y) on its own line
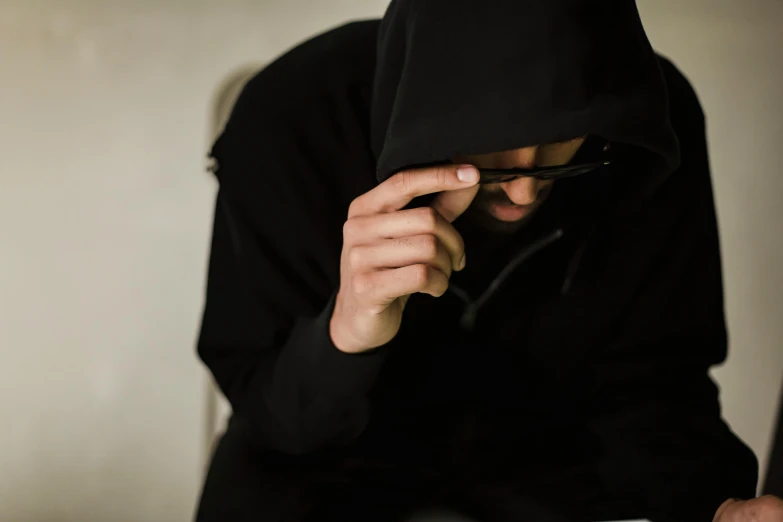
point(439, 515)
point(238, 489)
point(241, 485)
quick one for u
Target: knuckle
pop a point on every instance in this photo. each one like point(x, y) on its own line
point(441, 288)
point(349, 229)
point(355, 207)
point(361, 284)
point(438, 283)
point(355, 258)
point(442, 175)
point(428, 217)
point(402, 243)
point(429, 246)
point(460, 245)
point(447, 269)
point(460, 242)
point(420, 275)
point(403, 181)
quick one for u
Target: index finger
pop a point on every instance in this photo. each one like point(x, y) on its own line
point(400, 189)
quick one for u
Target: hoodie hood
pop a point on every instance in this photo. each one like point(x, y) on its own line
point(470, 77)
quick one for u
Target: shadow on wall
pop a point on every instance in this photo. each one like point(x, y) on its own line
point(217, 408)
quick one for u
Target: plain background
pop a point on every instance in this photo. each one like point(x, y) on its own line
point(106, 208)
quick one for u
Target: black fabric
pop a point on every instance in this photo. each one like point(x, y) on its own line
point(581, 401)
point(461, 77)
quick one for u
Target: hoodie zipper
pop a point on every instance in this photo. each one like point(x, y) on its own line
point(470, 312)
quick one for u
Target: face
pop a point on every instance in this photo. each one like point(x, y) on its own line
point(506, 206)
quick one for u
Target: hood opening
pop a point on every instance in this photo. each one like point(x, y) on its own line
point(456, 77)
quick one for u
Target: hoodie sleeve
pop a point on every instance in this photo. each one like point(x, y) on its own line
point(658, 409)
point(274, 271)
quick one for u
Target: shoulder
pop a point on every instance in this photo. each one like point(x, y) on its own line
point(325, 66)
point(690, 186)
point(303, 120)
point(688, 121)
point(684, 104)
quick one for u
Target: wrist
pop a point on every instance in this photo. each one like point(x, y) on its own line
point(342, 339)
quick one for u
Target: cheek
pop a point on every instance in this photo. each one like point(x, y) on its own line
point(558, 154)
point(489, 190)
point(489, 195)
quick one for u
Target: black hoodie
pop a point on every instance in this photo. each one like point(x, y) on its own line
point(564, 376)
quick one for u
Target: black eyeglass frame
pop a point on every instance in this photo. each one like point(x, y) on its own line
point(593, 154)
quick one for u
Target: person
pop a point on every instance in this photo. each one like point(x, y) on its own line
point(466, 258)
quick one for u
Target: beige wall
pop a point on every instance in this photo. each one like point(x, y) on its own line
point(105, 212)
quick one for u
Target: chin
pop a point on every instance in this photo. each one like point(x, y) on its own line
point(488, 221)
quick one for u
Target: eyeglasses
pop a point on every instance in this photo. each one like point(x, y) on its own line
point(593, 154)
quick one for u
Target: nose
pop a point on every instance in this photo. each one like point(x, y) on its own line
point(522, 191)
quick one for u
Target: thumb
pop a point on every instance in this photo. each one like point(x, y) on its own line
point(452, 203)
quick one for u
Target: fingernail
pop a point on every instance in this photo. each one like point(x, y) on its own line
point(462, 263)
point(467, 174)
